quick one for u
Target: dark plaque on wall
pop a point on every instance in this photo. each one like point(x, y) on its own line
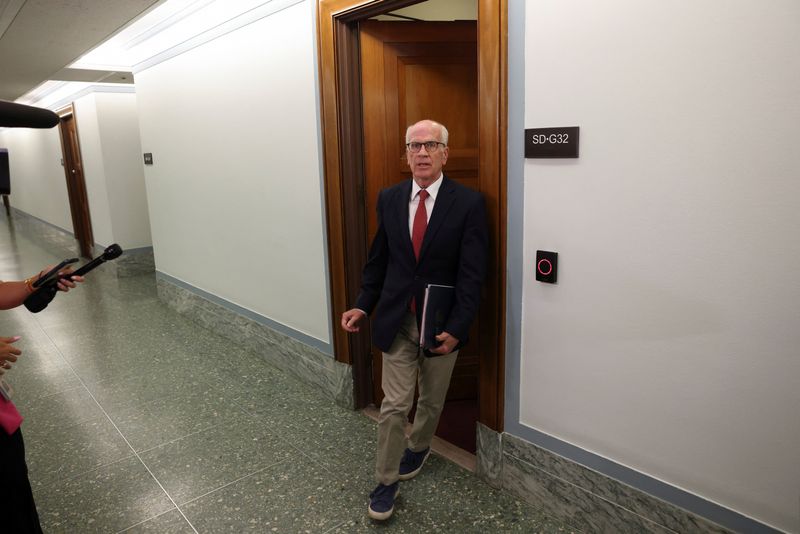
point(552, 142)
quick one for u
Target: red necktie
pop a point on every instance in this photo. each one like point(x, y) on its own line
point(420, 223)
point(418, 232)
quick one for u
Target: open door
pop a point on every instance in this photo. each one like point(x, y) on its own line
point(76, 184)
point(348, 191)
point(412, 71)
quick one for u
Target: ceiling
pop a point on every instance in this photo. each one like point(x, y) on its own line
point(38, 38)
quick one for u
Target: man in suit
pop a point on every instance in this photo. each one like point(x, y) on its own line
point(431, 230)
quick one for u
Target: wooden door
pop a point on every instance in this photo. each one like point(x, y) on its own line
point(76, 184)
point(412, 71)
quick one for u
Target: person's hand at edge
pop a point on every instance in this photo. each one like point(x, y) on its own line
point(65, 281)
point(8, 352)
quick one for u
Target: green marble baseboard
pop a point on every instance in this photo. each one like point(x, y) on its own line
point(581, 497)
point(307, 363)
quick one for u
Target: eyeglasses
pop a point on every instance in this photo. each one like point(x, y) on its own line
point(430, 146)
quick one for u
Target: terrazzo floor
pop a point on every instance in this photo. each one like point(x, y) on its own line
point(138, 420)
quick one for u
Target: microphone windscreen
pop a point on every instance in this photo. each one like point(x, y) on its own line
point(13, 115)
point(112, 252)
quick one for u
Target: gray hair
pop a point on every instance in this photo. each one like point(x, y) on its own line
point(444, 134)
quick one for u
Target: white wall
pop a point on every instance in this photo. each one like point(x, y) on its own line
point(94, 171)
point(38, 183)
point(124, 167)
point(108, 130)
point(235, 188)
point(108, 134)
point(670, 343)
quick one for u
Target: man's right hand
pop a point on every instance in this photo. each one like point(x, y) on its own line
point(8, 352)
point(351, 318)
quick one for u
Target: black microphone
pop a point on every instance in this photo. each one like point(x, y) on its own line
point(13, 115)
point(110, 253)
point(39, 299)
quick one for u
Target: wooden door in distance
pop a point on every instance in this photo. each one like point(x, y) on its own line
point(76, 185)
point(412, 71)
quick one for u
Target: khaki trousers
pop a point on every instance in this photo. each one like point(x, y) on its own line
point(403, 366)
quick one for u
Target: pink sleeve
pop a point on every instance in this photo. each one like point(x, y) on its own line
point(10, 419)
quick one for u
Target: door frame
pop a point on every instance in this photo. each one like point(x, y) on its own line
point(338, 53)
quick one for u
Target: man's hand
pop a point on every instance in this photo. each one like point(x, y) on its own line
point(8, 352)
point(350, 320)
point(447, 343)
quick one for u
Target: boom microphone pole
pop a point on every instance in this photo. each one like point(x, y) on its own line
point(47, 287)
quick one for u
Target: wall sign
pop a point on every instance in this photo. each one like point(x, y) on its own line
point(552, 142)
point(148, 158)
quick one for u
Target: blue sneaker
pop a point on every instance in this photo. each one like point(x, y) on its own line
point(411, 464)
point(381, 501)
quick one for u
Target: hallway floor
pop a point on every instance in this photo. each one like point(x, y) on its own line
point(138, 420)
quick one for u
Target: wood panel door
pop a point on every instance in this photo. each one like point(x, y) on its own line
point(412, 71)
point(76, 184)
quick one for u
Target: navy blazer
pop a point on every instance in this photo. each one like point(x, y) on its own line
point(453, 253)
